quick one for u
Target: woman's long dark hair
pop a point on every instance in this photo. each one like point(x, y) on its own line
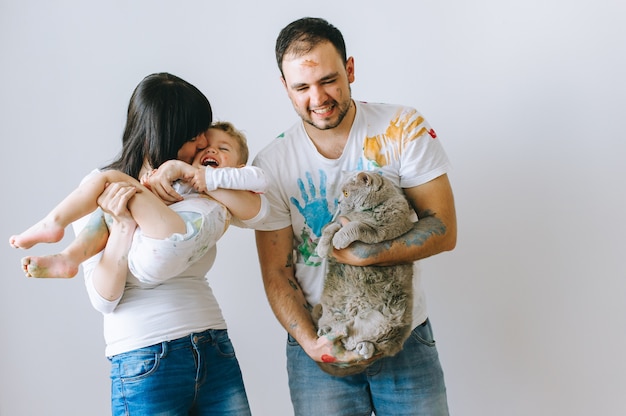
point(164, 113)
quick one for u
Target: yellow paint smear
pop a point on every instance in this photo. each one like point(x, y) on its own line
point(382, 148)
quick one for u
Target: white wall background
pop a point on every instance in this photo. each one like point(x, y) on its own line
point(528, 97)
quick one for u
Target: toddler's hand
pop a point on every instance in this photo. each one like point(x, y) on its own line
point(198, 180)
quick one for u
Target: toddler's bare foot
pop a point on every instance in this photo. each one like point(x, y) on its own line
point(55, 265)
point(42, 232)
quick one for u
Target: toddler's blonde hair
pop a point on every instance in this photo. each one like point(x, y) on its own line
point(239, 137)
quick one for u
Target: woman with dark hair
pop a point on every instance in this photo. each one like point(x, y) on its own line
point(166, 116)
point(168, 345)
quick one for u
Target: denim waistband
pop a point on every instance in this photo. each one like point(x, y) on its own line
point(195, 338)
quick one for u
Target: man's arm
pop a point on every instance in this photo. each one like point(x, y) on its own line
point(434, 233)
point(275, 250)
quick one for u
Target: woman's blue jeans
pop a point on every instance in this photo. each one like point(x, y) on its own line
point(409, 383)
point(194, 375)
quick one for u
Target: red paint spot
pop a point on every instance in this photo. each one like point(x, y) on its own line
point(328, 358)
point(432, 134)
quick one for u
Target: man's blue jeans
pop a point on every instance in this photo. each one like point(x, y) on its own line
point(410, 383)
point(195, 375)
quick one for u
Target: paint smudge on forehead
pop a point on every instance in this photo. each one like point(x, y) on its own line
point(383, 148)
point(309, 62)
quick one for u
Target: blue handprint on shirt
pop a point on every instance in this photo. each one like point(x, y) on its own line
point(315, 210)
point(316, 215)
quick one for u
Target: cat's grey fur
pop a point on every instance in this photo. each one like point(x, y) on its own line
point(368, 307)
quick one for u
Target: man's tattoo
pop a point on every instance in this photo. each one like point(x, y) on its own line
point(426, 227)
point(289, 260)
point(294, 285)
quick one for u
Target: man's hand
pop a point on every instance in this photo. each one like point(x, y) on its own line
point(329, 349)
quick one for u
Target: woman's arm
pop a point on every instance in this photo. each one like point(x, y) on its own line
point(104, 288)
point(105, 273)
point(109, 275)
point(237, 189)
point(244, 205)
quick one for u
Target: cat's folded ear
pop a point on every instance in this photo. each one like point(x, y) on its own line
point(364, 177)
point(372, 180)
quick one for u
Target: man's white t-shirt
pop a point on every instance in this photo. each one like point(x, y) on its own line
point(304, 186)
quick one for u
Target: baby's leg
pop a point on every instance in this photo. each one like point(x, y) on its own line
point(55, 265)
point(155, 219)
point(89, 242)
point(42, 232)
point(77, 204)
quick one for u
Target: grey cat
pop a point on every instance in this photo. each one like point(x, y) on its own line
point(369, 307)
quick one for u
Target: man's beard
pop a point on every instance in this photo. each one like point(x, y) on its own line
point(343, 111)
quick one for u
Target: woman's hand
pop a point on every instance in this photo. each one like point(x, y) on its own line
point(114, 201)
point(160, 180)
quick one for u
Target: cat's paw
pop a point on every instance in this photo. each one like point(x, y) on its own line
point(323, 330)
point(324, 248)
point(342, 239)
point(365, 349)
point(317, 312)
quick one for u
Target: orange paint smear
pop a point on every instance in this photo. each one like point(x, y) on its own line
point(384, 147)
